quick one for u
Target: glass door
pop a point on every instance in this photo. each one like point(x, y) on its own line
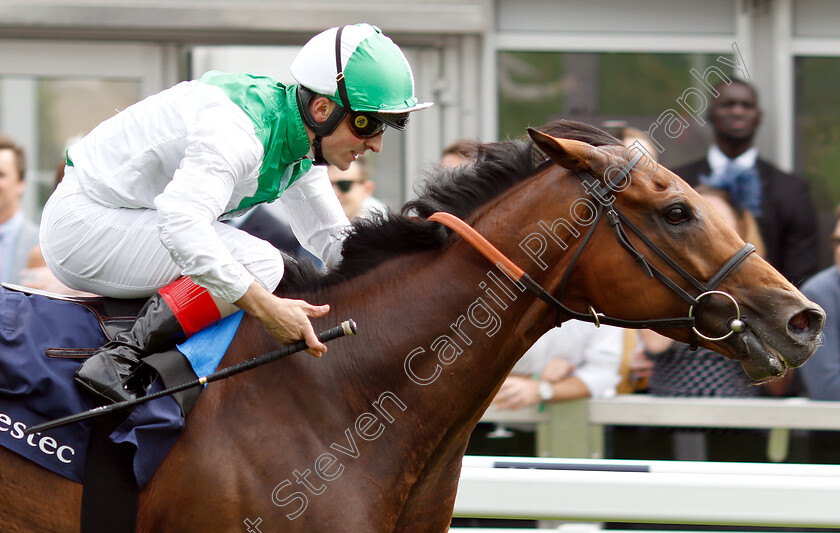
point(53, 93)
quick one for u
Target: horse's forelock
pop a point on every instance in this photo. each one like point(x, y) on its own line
point(579, 131)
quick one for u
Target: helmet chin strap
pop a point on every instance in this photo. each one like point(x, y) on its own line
point(320, 129)
point(316, 150)
point(305, 96)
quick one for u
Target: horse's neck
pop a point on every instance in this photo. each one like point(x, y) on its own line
point(438, 333)
point(444, 329)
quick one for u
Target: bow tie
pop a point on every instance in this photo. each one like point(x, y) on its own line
point(742, 184)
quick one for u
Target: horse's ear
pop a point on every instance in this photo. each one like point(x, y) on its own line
point(573, 155)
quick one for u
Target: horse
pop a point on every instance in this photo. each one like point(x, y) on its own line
point(371, 436)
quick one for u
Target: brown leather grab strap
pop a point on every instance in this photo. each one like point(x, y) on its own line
point(478, 242)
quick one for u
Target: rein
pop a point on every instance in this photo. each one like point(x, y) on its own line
point(617, 220)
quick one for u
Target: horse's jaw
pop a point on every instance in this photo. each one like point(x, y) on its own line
point(762, 362)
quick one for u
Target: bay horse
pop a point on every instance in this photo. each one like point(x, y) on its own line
point(371, 436)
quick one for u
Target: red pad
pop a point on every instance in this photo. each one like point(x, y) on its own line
point(192, 305)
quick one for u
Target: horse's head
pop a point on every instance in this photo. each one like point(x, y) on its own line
point(645, 207)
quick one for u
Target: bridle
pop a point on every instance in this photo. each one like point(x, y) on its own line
point(605, 205)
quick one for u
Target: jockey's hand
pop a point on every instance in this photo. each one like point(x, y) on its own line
point(285, 319)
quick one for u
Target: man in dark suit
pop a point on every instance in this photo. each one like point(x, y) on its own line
point(781, 202)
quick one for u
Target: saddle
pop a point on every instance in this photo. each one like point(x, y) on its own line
point(112, 456)
point(113, 314)
point(116, 315)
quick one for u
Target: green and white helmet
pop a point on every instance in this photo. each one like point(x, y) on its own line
point(376, 79)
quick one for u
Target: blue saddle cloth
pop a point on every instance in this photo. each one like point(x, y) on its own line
point(35, 388)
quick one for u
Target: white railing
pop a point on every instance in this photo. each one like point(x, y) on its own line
point(575, 428)
point(594, 490)
point(732, 494)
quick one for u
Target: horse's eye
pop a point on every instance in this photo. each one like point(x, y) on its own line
point(676, 215)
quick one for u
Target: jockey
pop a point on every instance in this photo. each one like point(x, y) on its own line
point(139, 210)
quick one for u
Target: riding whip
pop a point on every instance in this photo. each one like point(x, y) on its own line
point(346, 328)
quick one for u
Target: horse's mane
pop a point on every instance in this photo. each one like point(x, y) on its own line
point(460, 191)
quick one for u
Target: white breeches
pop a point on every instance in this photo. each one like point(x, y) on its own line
point(117, 252)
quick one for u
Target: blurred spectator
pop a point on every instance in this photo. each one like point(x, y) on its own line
point(576, 360)
point(780, 202)
point(36, 274)
point(459, 152)
point(18, 236)
point(354, 189)
point(679, 371)
point(821, 373)
point(629, 135)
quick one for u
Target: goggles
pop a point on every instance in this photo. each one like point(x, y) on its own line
point(365, 125)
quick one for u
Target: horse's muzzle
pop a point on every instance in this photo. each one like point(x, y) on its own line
point(766, 355)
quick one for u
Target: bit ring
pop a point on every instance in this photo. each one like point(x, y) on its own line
point(736, 325)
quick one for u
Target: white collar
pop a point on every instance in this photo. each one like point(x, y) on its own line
point(718, 160)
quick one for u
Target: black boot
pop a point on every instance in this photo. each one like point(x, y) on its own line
point(112, 372)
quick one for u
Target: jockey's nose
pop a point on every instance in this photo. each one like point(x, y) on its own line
point(374, 143)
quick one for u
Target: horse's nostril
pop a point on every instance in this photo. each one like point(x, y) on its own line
point(807, 321)
point(800, 321)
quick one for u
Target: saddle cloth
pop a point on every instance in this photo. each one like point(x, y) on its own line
point(35, 388)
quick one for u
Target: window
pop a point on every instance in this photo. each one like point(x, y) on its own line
point(817, 127)
point(817, 138)
point(634, 88)
point(67, 110)
point(53, 91)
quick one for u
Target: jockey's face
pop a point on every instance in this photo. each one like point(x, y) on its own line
point(11, 185)
point(343, 146)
